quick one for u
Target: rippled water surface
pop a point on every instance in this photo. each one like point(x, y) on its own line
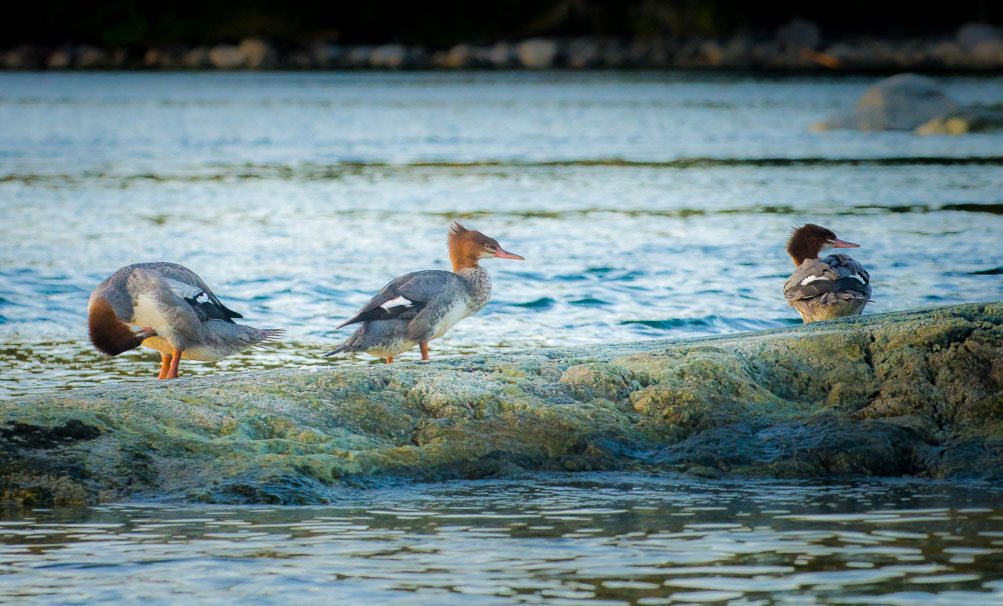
point(647, 205)
point(592, 538)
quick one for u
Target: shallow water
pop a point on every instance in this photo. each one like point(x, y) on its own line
point(587, 538)
point(647, 205)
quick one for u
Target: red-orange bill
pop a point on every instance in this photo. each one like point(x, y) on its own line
point(837, 243)
point(501, 253)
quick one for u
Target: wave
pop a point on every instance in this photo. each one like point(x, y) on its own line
point(314, 171)
point(713, 321)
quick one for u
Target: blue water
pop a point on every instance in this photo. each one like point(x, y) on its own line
point(610, 539)
point(646, 205)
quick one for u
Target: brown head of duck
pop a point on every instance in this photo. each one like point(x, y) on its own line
point(810, 239)
point(468, 246)
point(110, 335)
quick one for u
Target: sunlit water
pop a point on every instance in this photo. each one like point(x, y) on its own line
point(646, 205)
point(593, 538)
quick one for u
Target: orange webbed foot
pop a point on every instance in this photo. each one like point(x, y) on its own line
point(172, 373)
point(165, 365)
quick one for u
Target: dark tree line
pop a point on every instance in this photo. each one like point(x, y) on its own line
point(441, 23)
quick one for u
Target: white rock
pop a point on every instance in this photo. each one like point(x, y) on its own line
point(457, 57)
point(537, 53)
point(257, 53)
point(59, 59)
point(226, 56)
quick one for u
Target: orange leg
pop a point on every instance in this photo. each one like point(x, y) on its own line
point(390, 359)
point(424, 350)
point(175, 360)
point(165, 364)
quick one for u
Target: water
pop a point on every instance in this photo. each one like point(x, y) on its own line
point(647, 205)
point(588, 538)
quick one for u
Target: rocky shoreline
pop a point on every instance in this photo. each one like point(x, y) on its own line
point(797, 46)
point(909, 393)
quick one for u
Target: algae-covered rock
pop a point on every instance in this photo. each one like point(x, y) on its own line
point(912, 393)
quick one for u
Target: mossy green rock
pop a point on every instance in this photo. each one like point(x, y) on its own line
point(912, 393)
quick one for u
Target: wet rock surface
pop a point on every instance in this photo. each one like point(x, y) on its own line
point(912, 393)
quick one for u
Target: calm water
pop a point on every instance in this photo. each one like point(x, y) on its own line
point(647, 205)
point(593, 538)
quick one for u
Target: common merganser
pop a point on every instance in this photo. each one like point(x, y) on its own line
point(176, 314)
point(421, 306)
point(823, 289)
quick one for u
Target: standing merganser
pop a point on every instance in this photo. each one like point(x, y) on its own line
point(176, 314)
point(421, 306)
point(823, 289)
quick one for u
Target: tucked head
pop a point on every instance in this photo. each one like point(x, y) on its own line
point(110, 335)
point(466, 246)
point(810, 239)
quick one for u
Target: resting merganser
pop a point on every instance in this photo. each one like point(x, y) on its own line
point(823, 289)
point(176, 314)
point(421, 306)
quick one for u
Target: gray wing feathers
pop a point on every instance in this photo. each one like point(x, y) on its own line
point(834, 274)
point(182, 281)
point(420, 287)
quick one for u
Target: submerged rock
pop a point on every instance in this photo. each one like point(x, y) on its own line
point(974, 119)
point(912, 393)
point(901, 102)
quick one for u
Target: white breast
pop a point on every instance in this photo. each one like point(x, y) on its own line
point(454, 314)
point(146, 313)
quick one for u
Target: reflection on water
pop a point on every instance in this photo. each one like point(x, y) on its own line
point(647, 205)
point(595, 538)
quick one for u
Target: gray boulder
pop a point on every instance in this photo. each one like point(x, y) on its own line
point(901, 102)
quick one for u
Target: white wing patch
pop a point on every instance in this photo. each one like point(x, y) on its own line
point(859, 277)
point(811, 279)
point(400, 300)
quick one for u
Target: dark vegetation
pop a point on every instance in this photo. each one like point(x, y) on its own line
point(441, 23)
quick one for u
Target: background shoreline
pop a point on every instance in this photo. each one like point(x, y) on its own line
point(799, 47)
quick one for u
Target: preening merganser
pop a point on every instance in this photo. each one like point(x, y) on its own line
point(421, 306)
point(823, 289)
point(175, 312)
